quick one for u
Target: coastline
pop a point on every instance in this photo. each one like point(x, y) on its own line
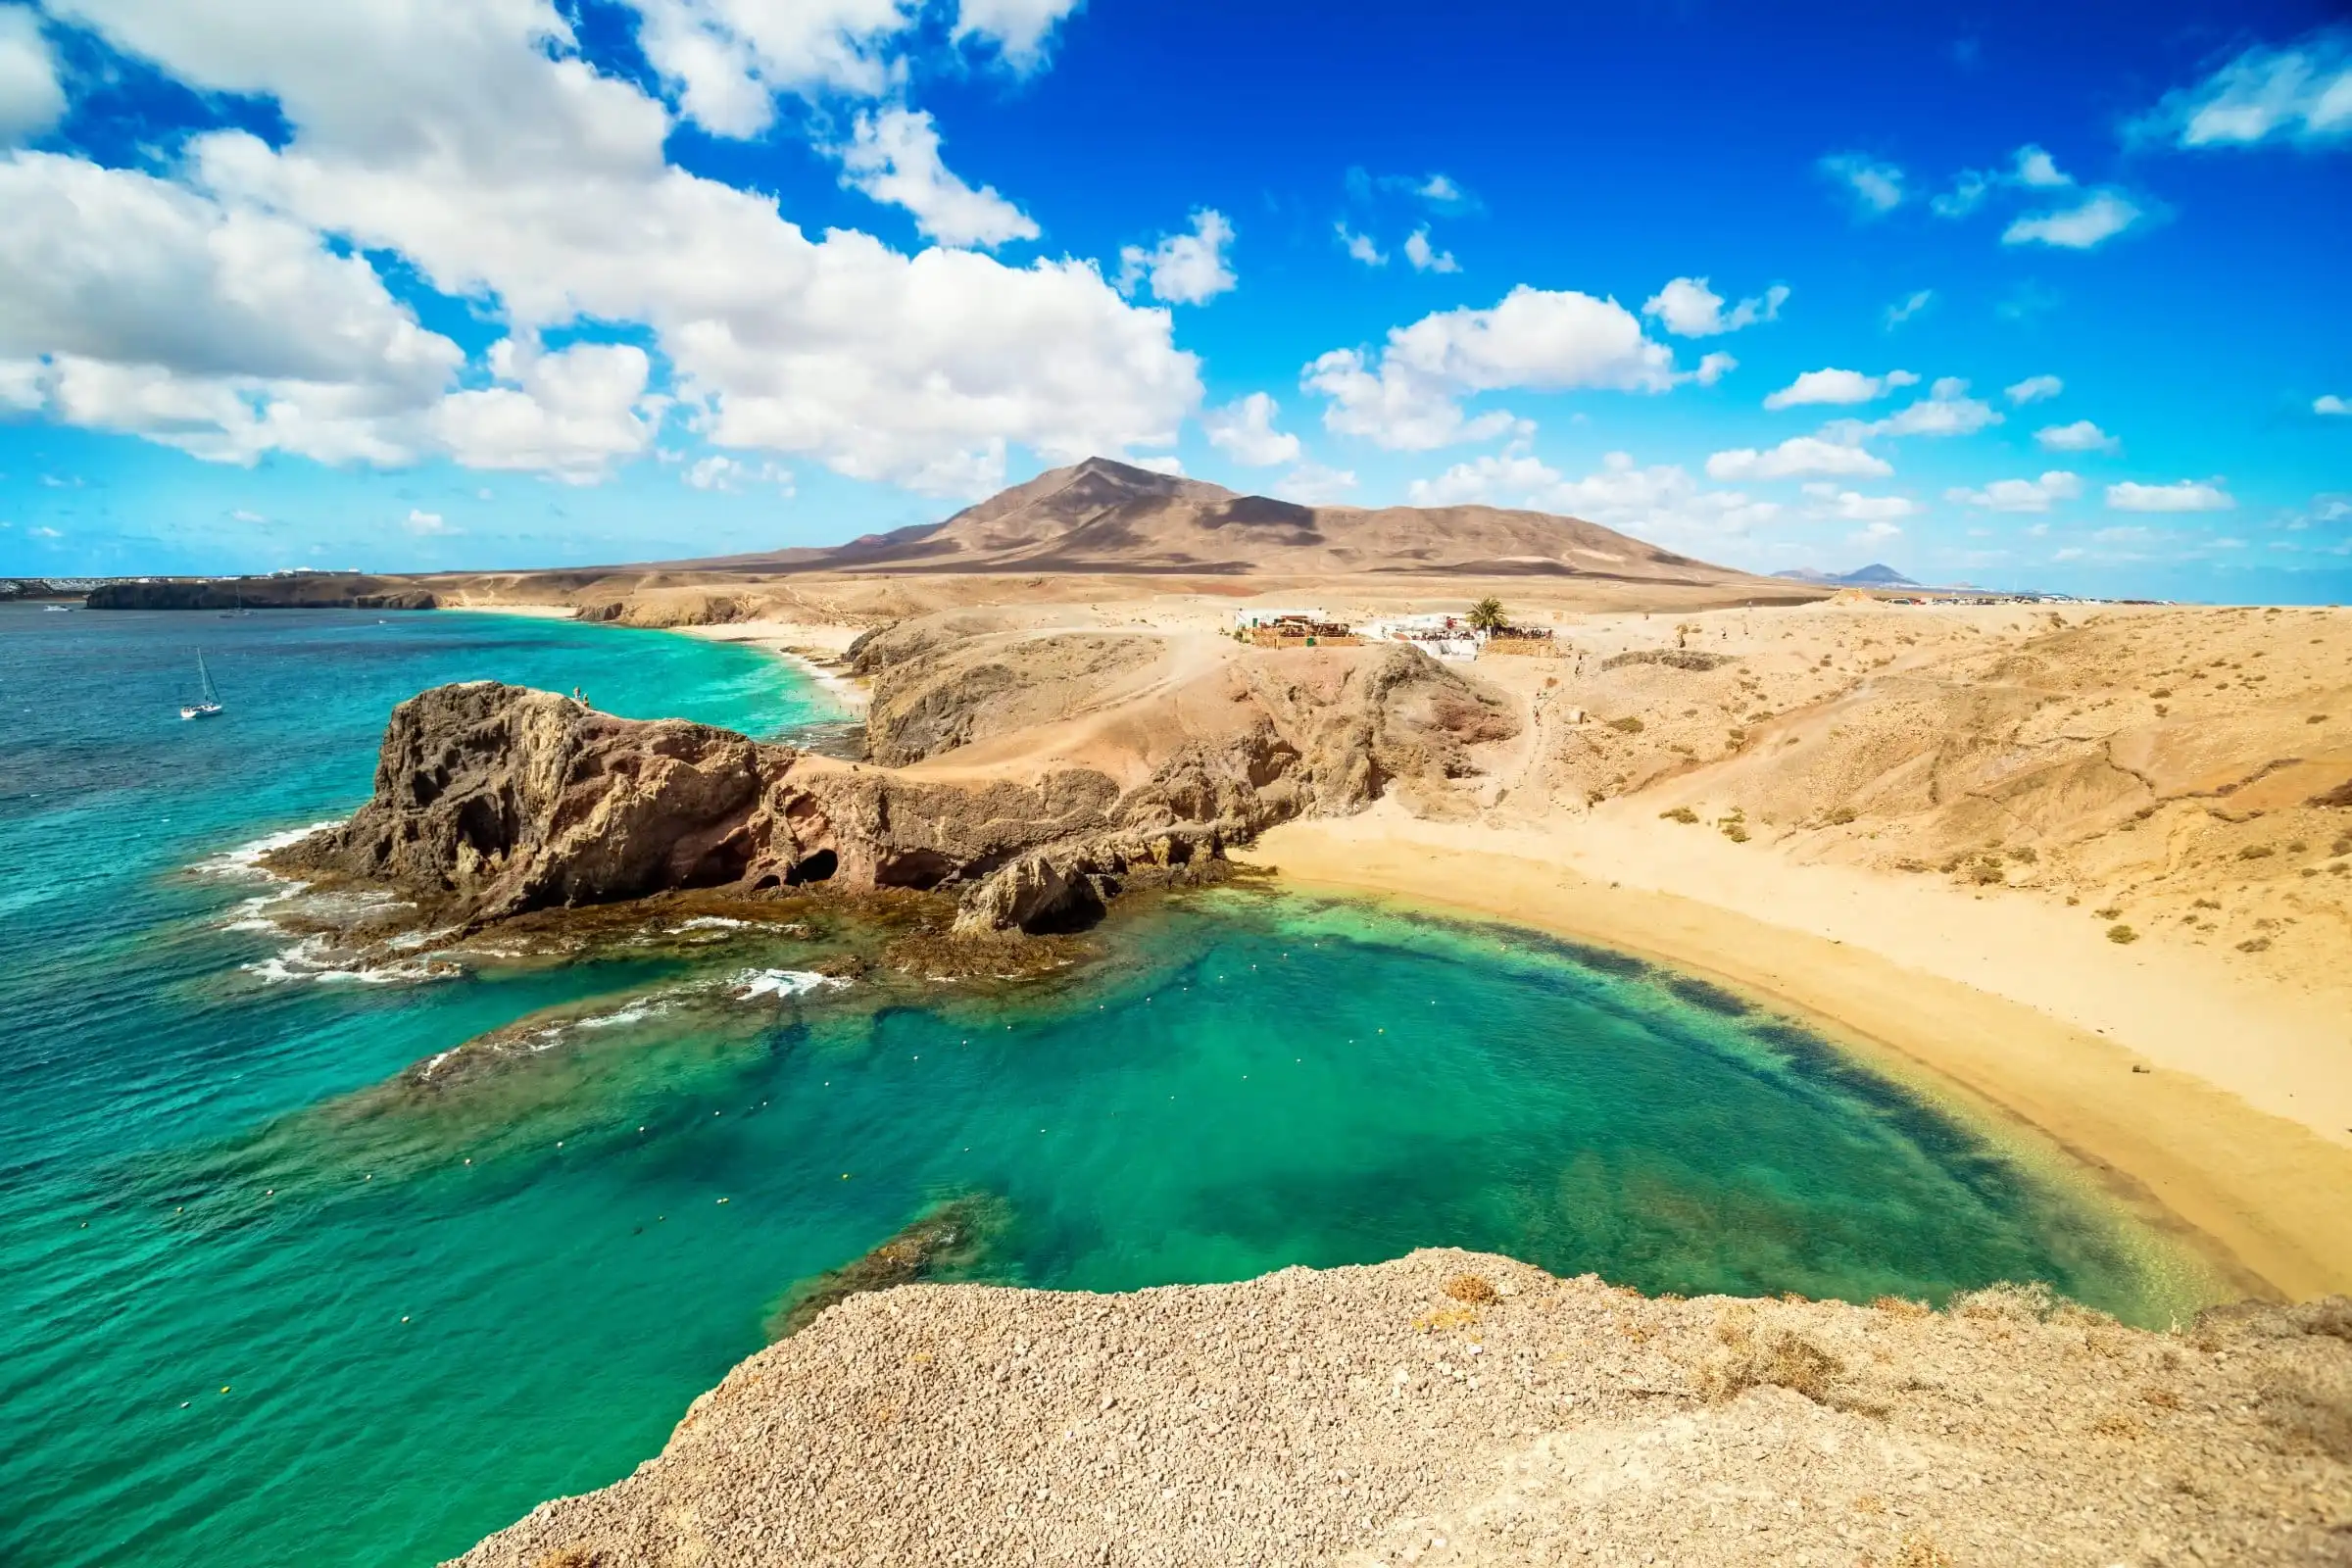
point(2146, 1111)
point(814, 649)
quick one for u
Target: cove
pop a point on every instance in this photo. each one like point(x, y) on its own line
point(202, 1194)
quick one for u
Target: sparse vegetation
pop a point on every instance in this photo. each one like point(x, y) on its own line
point(1445, 1319)
point(1681, 814)
point(2256, 852)
point(1736, 832)
point(1778, 1357)
point(2121, 935)
point(1918, 1552)
point(1840, 815)
point(2108, 913)
point(1985, 870)
point(2255, 945)
point(1630, 724)
point(1474, 1288)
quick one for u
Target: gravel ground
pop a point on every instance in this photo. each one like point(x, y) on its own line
point(1452, 1407)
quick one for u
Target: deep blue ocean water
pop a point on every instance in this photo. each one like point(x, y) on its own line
point(252, 1310)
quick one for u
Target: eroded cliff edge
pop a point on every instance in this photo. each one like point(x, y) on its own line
point(1452, 1408)
point(491, 801)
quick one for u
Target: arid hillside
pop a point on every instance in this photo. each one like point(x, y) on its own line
point(1451, 1408)
point(1101, 516)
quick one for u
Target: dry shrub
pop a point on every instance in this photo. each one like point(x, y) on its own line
point(1918, 1552)
point(572, 1558)
point(1474, 1288)
point(2160, 1398)
point(1902, 1306)
point(2121, 935)
point(1780, 1358)
point(1628, 725)
point(1445, 1319)
point(1681, 814)
point(2007, 1301)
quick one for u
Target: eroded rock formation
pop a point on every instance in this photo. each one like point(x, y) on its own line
point(494, 800)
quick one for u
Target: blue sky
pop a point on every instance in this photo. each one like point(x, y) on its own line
point(2028, 296)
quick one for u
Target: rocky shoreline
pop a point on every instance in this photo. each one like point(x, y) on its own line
point(1452, 1408)
point(493, 801)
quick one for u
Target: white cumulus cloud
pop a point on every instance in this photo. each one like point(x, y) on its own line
point(1838, 386)
point(469, 138)
point(2020, 495)
point(1244, 430)
point(1359, 247)
point(894, 158)
point(1877, 188)
point(2182, 495)
point(1425, 257)
point(720, 472)
point(1187, 269)
point(572, 415)
point(1687, 308)
point(1796, 457)
point(1543, 340)
point(2080, 436)
point(30, 97)
point(426, 523)
point(227, 332)
point(2301, 93)
point(2037, 169)
point(1946, 409)
point(2330, 403)
point(1852, 506)
point(2034, 389)
point(2097, 220)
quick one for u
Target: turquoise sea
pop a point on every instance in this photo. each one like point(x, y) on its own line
point(255, 1308)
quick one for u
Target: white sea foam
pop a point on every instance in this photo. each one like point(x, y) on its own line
point(751, 983)
point(315, 959)
point(246, 858)
point(637, 1012)
point(710, 922)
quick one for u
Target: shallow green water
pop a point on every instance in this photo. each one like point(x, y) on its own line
point(203, 1187)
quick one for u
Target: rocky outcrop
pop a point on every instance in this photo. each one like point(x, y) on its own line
point(493, 800)
point(1457, 1408)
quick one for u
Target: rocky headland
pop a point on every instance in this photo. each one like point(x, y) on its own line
point(493, 801)
point(1450, 1408)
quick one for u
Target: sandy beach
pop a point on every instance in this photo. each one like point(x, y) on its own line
point(2188, 1098)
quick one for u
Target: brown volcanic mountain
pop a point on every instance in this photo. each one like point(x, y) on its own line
point(1104, 517)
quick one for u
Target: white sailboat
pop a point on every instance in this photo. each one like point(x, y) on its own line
point(208, 701)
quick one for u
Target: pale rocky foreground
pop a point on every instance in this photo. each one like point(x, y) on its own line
point(1452, 1407)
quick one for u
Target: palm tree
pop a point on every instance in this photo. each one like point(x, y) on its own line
point(1486, 615)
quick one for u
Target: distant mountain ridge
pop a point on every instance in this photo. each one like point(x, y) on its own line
point(1877, 574)
point(1103, 515)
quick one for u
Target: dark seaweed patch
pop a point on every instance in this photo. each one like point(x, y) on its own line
point(1700, 993)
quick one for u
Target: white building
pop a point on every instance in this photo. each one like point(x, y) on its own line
point(1246, 620)
point(1446, 637)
